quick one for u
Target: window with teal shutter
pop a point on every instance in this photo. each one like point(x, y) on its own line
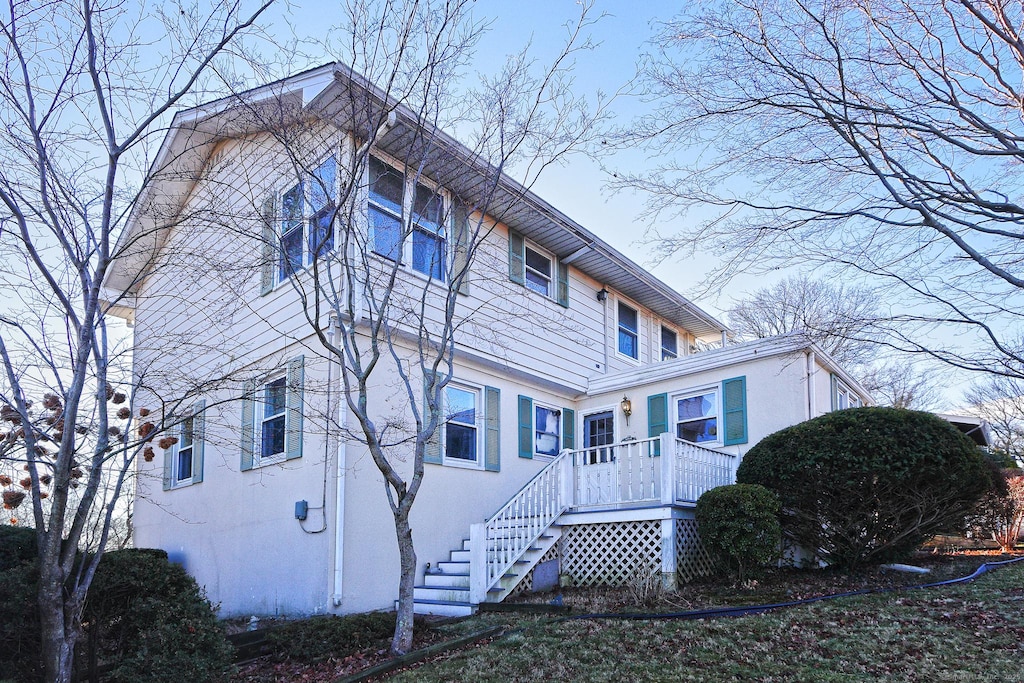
point(525, 427)
point(734, 407)
point(568, 428)
point(657, 418)
point(492, 431)
point(516, 258)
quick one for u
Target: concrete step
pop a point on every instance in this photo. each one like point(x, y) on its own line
point(454, 567)
point(442, 608)
point(445, 580)
point(459, 556)
point(447, 593)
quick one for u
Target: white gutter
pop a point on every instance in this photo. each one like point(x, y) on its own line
point(339, 500)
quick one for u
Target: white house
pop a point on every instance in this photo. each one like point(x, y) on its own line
point(590, 404)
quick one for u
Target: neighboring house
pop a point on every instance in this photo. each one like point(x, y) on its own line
point(585, 417)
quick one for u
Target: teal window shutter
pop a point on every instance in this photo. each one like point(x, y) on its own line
point(569, 428)
point(295, 407)
point(516, 258)
point(525, 427)
point(461, 237)
point(657, 418)
point(248, 435)
point(563, 284)
point(198, 440)
point(492, 429)
point(835, 391)
point(734, 407)
point(432, 450)
point(269, 246)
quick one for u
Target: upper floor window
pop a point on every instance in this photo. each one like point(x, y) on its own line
point(538, 271)
point(306, 223)
point(273, 419)
point(388, 192)
point(629, 331)
point(669, 344)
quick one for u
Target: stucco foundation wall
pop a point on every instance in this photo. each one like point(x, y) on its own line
point(450, 500)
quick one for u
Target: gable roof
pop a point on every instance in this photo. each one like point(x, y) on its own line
point(336, 93)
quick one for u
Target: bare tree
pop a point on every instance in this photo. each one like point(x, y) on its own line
point(385, 290)
point(880, 140)
point(83, 87)
point(1000, 401)
point(901, 384)
point(837, 317)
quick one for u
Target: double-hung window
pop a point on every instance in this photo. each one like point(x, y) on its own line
point(461, 429)
point(629, 331)
point(272, 412)
point(388, 192)
point(538, 271)
point(306, 222)
point(183, 462)
point(842, 396)
point(697, 416)
point(547, 424)
point(271, 424)
point(186, 445)
point(669, 344)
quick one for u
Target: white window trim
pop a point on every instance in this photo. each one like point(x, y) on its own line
point(307, 216)
point(408, 197)
point(552, 294)
point(478, 391)
point(561, 436)
point(697, 391)
point(581, 420)
point(179, 432)
point(258, 459)
point(639, 332)
point(853, 400)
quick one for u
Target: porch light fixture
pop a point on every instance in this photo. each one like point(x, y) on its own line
point(627, 407)
point(602, 295)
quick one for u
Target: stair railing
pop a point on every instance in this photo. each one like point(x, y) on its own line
point(498, 543)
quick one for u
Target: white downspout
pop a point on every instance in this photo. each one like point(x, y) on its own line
point(811, 362)
point(339, 501)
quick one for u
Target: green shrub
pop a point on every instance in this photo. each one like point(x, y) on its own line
point(17, 545)
point(739, 526)
point(148, 619)
point(19, 624)
point(868, 485)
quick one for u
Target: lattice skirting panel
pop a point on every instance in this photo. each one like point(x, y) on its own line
point(692, 560)
point(610, 554)
point(526, 585)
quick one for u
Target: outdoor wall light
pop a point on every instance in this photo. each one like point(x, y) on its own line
point(627, 407)
point(602, 295)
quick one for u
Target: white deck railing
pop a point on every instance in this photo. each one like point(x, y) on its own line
point(621, 475)
point(498, 543)
point(633, 472)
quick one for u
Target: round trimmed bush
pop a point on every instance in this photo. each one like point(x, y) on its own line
point(739, 526)
point(868, 485)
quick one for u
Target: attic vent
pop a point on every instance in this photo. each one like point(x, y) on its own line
point(216, 161)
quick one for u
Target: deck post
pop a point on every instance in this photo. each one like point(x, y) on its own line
point(477, 563)
point(668, 469)
point(668, 550)
point(567, 486)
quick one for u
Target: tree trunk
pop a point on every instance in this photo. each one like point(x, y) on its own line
point(58, 641)
point(401, 643)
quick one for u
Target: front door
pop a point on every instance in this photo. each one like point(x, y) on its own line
point(595, 480)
